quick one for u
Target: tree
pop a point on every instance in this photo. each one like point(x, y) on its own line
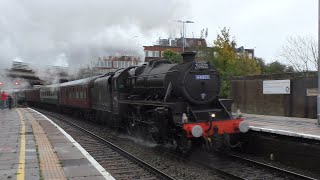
point(277, 67)
point(172, 56)
point(225, 59)
point(261, 64)
point(273, 67)
point(301, 52)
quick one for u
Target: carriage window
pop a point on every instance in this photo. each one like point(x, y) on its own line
point(82, 93)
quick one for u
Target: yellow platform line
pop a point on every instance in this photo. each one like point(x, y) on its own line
point(49, 162)
point(22, 157)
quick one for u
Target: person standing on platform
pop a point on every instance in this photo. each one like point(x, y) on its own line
point(10, 100)
point(3, 99)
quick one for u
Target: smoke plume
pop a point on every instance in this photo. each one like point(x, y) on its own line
point(74, 32)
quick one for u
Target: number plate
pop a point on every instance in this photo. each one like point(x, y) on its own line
point(199, 77)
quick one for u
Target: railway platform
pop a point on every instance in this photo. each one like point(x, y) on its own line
point(33, 147)
point(288, 126)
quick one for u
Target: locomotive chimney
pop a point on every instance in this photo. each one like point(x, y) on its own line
point(188, 56)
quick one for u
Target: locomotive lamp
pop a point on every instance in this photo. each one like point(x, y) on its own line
point(244, 126)
point(196, 131)
point(213, 115)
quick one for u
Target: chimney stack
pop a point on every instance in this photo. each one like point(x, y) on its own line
point(188, 56)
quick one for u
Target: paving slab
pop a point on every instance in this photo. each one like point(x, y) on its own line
point(73, 161)
point(10, 147)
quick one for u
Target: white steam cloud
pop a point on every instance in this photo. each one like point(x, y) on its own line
point(60, 32)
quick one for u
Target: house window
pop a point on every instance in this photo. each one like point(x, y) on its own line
point(156, 53)
point(199, 43)
point(109, 64)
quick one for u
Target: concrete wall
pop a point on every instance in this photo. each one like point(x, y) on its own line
point(247, 93)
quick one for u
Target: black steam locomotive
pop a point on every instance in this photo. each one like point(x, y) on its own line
point(165, 102)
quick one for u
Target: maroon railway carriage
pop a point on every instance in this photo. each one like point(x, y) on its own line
point(76, 96)
point(33, 96)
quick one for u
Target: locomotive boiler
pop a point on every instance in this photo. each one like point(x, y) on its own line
point(193, 81)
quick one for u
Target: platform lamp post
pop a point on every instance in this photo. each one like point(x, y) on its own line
point(318, 97)
point(184, 32)
point(132, 57)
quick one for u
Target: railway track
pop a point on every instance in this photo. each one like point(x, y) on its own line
point(118, 162)
point(236, 167)
point(284, 172)
point(228, 166)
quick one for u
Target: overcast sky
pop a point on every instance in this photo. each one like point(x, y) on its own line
point(60, 32)
point(260, 24)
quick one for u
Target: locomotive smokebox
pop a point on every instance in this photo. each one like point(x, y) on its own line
point(188, 56)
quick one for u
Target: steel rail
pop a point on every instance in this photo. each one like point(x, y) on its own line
point(199, 163)
point(219, 171)
point(273, 168)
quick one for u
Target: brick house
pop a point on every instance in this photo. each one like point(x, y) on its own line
point(156, 51)
point(110, 63)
